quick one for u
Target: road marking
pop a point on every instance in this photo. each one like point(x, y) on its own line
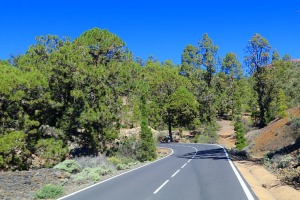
point(175, 173)
point(189, 160)
point(156, 191)
point(183, 166)
point(237, 174)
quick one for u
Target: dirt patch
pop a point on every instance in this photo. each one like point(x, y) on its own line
point(162, 152)
point(226, 134)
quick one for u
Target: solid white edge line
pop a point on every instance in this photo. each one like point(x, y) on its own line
point(189, 160)
point(175, 173)
point(156, 191)
point(242, 182)
point(116, 176)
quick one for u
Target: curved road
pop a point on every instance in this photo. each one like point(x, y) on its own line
point(193, 171)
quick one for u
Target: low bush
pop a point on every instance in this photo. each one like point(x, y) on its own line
point(122, 162)
point(93, 161)
point(115, 160)
point(70, 166)
point(267, 159)
point(284, 162)
point(49, 191)
point(210, 134)
point(91, 174)
point(121, 166)
point(196, 138)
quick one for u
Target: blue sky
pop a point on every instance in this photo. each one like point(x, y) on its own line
point(159, 28)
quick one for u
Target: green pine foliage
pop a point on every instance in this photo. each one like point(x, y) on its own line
point(240, 135)
point(147, 147)
point(13, 151)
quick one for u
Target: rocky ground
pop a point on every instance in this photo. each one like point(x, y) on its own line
point(21, 185)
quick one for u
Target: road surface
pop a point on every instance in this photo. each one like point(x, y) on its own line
point(193, 171)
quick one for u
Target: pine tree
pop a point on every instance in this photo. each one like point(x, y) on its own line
point(281, 104)
point(147, 147)
point(240, 135)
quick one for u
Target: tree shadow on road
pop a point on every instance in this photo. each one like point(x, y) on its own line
point(216, 154)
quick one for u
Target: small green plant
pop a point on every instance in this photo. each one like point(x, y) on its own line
point(49, 191)
point(267, 159)
point(121, 166)
point(284, 162)
point(115, 160)
point(196, 138)
point(180, 133)
point(209, 135)
point(122, 162)
point(70, 166)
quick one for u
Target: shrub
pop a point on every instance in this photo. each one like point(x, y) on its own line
point(196, 138)
point(284, 162)
point(128, 146)
point(49, 191)
point(115, 160)
point(295, 124)
point(91, 174)
point(267, 159)
point(70, 166)
point(122, 162)
point(195, 124)
point(92, 162)
point(180, 133)
point(209, 135)
point(121, 166)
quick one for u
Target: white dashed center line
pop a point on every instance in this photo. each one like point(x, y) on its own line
point(156, 191)
point(175, 173)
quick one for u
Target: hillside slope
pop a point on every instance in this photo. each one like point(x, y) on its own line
point(277, 135)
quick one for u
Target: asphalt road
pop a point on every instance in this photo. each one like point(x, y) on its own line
point(193, 171)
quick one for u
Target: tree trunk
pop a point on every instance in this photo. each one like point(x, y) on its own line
point(170, 126)
point(262, 121)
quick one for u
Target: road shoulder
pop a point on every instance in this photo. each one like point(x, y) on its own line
point(264, 184)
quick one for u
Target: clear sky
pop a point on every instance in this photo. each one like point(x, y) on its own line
point(161, 28)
